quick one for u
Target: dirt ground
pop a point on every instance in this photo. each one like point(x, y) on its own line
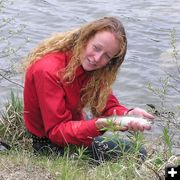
point(22, 173)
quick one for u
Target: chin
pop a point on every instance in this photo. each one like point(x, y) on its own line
point(86, 68)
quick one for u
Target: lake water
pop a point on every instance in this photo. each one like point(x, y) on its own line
point(148, 24)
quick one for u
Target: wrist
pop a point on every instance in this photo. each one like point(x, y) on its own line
point(101, 123)
point(129, 110)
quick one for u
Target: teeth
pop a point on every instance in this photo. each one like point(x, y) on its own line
point(91, 63)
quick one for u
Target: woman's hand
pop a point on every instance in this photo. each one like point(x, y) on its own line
point(140, 112)
point(135, 126)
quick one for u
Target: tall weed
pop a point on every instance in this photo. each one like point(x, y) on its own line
point(12, 128)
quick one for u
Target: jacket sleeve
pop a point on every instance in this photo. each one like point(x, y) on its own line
point(57, 119)
point(114, 105)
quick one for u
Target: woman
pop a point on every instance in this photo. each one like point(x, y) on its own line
point(70, 73)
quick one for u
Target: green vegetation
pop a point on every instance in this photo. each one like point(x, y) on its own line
point(168, 114)
point(12, 127)
point(20, 161)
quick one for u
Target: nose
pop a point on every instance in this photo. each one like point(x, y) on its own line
point(97, 57)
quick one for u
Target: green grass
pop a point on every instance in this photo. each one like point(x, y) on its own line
point(65, 168)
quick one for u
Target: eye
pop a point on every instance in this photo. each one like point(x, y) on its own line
point(96, 48)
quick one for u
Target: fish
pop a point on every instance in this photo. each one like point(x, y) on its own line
point(125, 120)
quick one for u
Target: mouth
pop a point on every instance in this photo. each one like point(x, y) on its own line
point(91, 63)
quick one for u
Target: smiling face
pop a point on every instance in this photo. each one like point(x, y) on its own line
point(100, 49)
